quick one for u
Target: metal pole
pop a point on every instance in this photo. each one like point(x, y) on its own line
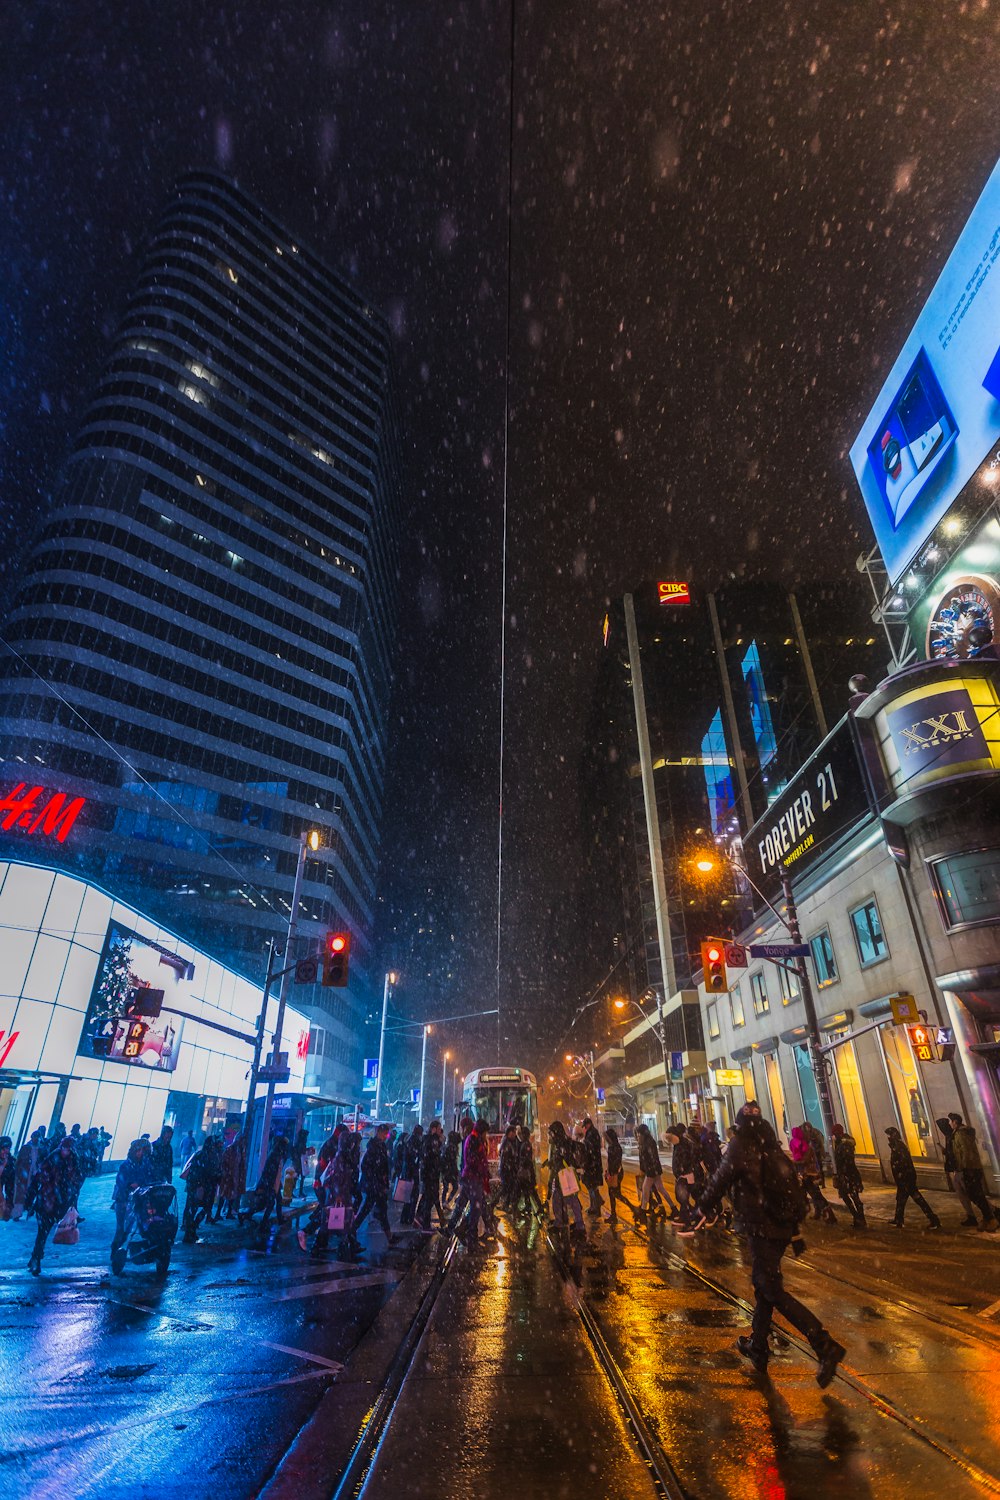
point(815, 1040)
point(423, 1066)
point(381, 1048)
point(807, 664)
point(444, 1087)
point(661, 908)
point(261, 1027)
point(282, 995)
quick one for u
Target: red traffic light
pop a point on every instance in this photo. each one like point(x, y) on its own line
point(713, 954)
point(336, 959)
point(338, 942)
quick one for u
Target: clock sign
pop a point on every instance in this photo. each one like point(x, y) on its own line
point(964, 620)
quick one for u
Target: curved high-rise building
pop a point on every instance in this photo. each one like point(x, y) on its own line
point(201, 644)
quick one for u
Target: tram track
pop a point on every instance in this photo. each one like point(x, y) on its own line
point(884, 1405)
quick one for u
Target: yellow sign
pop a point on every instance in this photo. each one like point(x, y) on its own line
point(728, 1078)
point(904, 1010)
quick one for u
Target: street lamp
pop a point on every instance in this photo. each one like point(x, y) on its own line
point(423, 1068)
point(445, 1059)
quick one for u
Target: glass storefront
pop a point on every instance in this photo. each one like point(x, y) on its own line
point(904, 1080)
point(776, 1093)
point(845, 1062)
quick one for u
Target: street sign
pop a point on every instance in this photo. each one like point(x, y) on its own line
point(306, 971)
point(778, 951)
point(904, 1010)
point(273, 1073)
point(414, 1096)
point(736, 956)
point(728, 1078)
point(439, 1106)
point(600, 1096)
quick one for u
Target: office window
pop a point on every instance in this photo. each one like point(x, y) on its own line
point(968, 887)
point(713, 1020)
point(826, 965)
point(758, 991)
point(868, 934)
point(736, 1006)
point(788, 986)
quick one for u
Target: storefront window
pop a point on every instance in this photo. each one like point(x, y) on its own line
point(713, 1020)
point(845, 1064)
point(807, 1087)
point(826, 964)
point(868, 934)
point(776, 1093)
point(749, 1087)
point(968, 887)
point(788, 986)
point(905, 1080)
point(758, 989)
point(736, 1006)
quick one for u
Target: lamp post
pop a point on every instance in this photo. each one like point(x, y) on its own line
point(660, 1030)
point(391, 979)
point(307, 841)
point(423, 1070)
point(446, 1058)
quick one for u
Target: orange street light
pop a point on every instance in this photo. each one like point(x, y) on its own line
point(705, 865)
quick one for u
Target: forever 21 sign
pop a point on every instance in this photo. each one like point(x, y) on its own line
point(820, 802)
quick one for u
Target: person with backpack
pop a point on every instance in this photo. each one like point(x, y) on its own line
point(375, 1183)
point(507, 1163)
point(562, 1165)
point(969, 1164)
point(613, 1175)
point(593, 1167)
point(904, 1175)
point(449, 1167)
point(953, 1176)
point(847, 1179)
point(803, 1154)
point(770, 1205)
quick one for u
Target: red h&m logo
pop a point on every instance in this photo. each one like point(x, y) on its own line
point(38, 811)
point(5, 1046)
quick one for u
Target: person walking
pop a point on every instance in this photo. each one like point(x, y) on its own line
point(952, 1175)
point(449, 1167)
point(684, 1165)
point(233, 1179)
point(652, 1173)
point(904, 1175)
point(54, 1193)
point(162, 1155)
point(564, 1190)
point(846, 1177)
point(412, 1153)
point(593, 1167)
point(507, 1162)
point(137, 1170)
point(970, 1169)
point(201, 1175)
point(26, 1169)
point(375, 1182)
point(613, 1176)
point(430, 1178)
point(188, 1146)
point(527, 1186)
point(803, 1154)
point(474, 1182)
point(8, 1174)
point(770, 1205)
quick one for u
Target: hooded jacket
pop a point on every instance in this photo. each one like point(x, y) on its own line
point(741, 1175)
point(649, 1157)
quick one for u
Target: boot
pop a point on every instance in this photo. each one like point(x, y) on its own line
point(35, 1265)
point(746, 1348)
point(829, 1353)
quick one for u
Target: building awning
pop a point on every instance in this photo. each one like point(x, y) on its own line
point(836, 1020)
point(766, 1044)
point(797, 1037)
point(873, 1009)
point(741, 1054)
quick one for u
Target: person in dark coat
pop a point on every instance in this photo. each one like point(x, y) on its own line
point(55, 1189)
point(375, 1182)
point(411, 1171)
point(233, 1181)
point(970, 1170)
point(449, 1167)
point(474, 1184)
point(399, 1155)
point(711, 1148)
point(507, 1167)
point(951, 1172)
point(299, 1148)
point(268, 1187)
point(562, 1155)
point(430, 1178)
point(651, 1170)
point(593, 1167)
point(904, 1175)
point(8, 1174)
point(527, 1183)
point(204, 1170)
point(847, 1178)
point(769, 1206)
point(137, 1170)
point(684, 1164)
point(162, 1155)
point(613, 1176)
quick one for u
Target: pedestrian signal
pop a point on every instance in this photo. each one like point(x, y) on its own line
point(922, 1042)
point(336, 958)
point(713, 964)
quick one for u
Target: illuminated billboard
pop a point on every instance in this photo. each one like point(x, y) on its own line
point(938, 413)
point(138, 988)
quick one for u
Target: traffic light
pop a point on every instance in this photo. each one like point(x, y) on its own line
point(713, 963)
point(336, 958)
point(922, 1042)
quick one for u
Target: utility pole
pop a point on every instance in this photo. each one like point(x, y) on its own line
point(812, 1021)
point(390, 979)
point(444, 1086)
point(258, 1045)
point(306, 841)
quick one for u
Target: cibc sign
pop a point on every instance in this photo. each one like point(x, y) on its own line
point(673, 593)
point(39, 811)
point(821, 802)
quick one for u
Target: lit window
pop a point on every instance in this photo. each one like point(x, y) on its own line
point(788, 986)
point(193, 393)
point(826, 964)
point(713, 1020)
point(868, 934)
point(202, 372)
point(736, 1006)
point(758, 990)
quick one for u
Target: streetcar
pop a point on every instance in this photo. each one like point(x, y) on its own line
point(502, 1097)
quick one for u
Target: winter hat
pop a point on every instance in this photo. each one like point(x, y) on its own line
point(837, 1130)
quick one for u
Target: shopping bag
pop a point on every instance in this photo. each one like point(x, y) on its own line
point(403, 1192)
point(66, 1230)
point(339, 1216)
point(568, 1184)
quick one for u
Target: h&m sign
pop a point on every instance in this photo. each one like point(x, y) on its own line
point(36, 810)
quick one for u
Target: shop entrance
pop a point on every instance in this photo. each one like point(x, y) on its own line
point(16, 1102)
point(911, 1107)
point(776, 1090)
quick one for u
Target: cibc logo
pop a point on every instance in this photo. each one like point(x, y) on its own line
point(37, 810)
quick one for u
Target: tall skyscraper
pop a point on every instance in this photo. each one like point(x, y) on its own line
point(203, 636)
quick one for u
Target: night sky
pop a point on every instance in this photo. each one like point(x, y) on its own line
point(725, 218)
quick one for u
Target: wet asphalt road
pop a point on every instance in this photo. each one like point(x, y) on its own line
point(199, 1387)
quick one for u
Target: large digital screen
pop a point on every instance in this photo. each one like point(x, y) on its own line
point(938, 413)
point(138, 985)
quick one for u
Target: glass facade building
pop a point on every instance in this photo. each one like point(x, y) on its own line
point(201, 642)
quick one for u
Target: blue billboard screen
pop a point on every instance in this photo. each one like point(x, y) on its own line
point(938, 413)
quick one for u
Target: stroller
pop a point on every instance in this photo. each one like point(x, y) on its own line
point(150, 1228)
